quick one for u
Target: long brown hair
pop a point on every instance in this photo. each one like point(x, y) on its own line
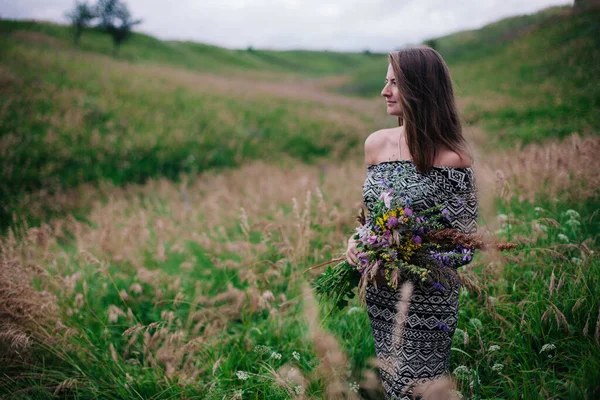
point(429, 112)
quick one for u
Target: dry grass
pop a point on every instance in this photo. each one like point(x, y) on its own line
point(333, 362)
point(26, 313)
point(566, 170)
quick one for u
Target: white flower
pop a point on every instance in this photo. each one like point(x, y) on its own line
point(502, 217)
point(539, 209)
point(572, 214)
point(386, 197)
point(354, 387)
point(276, 355)
point(353, 310)
point(497, 367)
point(296, 355)
point(573, 223)
point(242, 375)
point(260, 349)
point(298, 390)
point(493, 348)
point(576, 260)
point(363, 231)
point(547, 347)
point(563, 237)
point(462, 371)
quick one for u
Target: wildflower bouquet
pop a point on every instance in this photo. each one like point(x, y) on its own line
point(397, 244)
point(393, 246)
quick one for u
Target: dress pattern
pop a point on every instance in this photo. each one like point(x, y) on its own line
point(419, 352)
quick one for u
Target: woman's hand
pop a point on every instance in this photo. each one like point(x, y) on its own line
point(351, 251)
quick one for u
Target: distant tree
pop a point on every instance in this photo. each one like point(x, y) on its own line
point(116, 20)
point(81, 17)
point(433, 43)
point(367, 52)
point(586, 3)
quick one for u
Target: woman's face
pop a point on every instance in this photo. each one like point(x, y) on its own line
point(391, 93)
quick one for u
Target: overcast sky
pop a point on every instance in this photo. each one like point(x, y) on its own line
point(344, 25)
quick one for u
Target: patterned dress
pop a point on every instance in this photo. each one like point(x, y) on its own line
point(421, 350)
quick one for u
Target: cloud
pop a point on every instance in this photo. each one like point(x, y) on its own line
point(345, 25)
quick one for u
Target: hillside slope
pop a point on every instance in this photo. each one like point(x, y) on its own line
point(525, 78)
point(145, 49)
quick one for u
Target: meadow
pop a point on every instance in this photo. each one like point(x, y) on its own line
point(159, 209)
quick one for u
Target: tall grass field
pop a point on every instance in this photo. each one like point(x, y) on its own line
point(159, 209)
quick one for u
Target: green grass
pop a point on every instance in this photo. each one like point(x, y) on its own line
point(247, 341)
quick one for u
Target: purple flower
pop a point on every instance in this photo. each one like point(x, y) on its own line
point(444, 258)
point(468, 255)
point(387, 234)
point(443, 326)
point(417, 239)
point(439, 286)
point(392, 222)
point(372, 239)
point(408, 212)
point(362, 254)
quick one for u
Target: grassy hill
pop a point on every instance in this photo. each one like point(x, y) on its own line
point(526, 78)
point(77, 115)
point(149, 268)
point(146, 49)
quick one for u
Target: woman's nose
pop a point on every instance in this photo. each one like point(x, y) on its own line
point(385, 91)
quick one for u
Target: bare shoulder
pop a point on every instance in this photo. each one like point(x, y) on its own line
point(450, 158)
point(374, 143)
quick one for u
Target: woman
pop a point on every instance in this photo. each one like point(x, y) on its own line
point(430, 150)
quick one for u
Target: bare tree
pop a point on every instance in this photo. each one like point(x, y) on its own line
point(80, 18)
point(116, 20)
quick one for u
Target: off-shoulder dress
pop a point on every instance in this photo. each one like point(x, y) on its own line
point(422, 352)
